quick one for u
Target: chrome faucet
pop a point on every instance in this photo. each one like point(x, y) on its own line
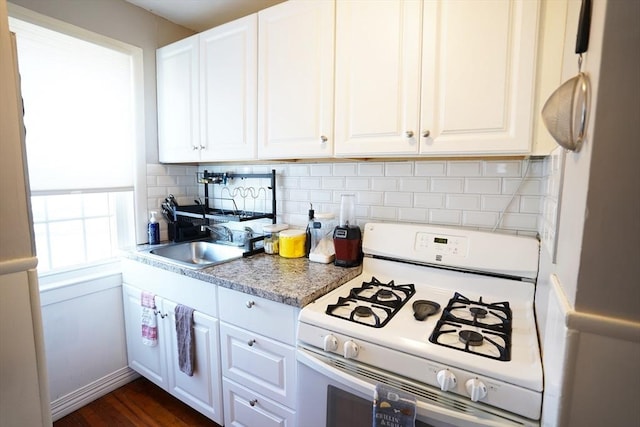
point(221, 232)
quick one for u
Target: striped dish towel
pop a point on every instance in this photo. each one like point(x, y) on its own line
point(148, 320)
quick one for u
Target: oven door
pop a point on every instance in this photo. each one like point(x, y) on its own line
point(332, 393)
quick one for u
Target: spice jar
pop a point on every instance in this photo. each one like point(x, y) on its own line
point(271, 237)
point(292, 242)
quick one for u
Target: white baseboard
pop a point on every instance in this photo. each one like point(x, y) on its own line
point(87, 394)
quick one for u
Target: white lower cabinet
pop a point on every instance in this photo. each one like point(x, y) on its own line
point(202, 390)
point(159, 364)
point(243, 407)
point(258, 360)
point(245, 362)
point(150, 362)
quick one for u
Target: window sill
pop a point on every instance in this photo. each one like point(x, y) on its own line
point(85, 274)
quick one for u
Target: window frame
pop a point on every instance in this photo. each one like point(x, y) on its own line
point(139, 152)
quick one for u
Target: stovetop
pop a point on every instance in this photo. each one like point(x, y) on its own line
point(404, 334)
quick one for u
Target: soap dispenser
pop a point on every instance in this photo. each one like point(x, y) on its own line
point(153, 229)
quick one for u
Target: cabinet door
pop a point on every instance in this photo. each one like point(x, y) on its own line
point(150, 362)
point(295, 79)
point(228, 85)
point(478, 67)
point(377, 77)
point(243, 407)
point(264, 365)
point(178, 102)
point(203, 390)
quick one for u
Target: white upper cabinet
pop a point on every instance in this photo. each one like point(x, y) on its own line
point(207, 95)
point(377, 77)
point(295, 80)
point(178, 101)
point(478, 68)
point(435, 77)
point(228, 88)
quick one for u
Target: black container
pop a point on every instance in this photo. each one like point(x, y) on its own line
point(348, 244)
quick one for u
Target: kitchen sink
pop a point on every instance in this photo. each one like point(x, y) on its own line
point(197, 255)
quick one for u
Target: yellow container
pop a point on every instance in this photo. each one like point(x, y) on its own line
point(292, 243)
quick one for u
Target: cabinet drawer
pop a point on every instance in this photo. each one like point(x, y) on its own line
point(242, 407)
point(194, 293)
point(265, 317)
point(260, 363)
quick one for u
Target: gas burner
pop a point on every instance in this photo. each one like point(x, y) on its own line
point(481, 342)
point(386, 294)
point(470, 337)
point(493, 316)
point(478, 313)
point(354, 310)
point(363, 311)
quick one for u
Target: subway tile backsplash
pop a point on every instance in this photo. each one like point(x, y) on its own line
point(521, 194)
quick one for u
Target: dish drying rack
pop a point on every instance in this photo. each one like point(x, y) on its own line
point(229, 200)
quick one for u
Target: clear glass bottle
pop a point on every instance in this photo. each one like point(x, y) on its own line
point(272, 237)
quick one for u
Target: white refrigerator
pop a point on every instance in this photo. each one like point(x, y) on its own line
point(24, 392)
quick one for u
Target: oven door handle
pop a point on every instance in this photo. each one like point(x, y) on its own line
point(431, 410)
point(306, 357)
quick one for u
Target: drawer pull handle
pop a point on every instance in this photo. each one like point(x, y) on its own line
point(253, 402)
point(250, 343)
point(250, 304)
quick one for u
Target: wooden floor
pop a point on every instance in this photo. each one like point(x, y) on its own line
point(139, 403)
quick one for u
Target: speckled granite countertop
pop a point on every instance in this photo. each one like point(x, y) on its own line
point(295, 282)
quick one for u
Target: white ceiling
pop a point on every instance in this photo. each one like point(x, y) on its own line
point(200, 15)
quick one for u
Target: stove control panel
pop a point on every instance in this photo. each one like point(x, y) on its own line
point(438, 246)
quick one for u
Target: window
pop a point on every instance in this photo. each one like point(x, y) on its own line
point(79, 96)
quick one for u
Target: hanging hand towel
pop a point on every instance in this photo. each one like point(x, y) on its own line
point(184, 333)
point(149, 323)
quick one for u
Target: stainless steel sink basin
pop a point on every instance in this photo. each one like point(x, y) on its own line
point(197, 254)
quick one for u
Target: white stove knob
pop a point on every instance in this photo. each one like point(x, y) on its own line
point(350, 349)
point(446, 379)
point(330, 343)
point(476, 389)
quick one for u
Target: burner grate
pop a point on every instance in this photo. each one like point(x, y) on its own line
point(475, 327)
point(374, 299)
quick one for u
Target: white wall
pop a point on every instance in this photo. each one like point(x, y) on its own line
point(85, 341)
point(587, 301)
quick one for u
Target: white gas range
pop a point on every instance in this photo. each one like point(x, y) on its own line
point(445, 314)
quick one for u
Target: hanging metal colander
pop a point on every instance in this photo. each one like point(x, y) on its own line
point(566, 112)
